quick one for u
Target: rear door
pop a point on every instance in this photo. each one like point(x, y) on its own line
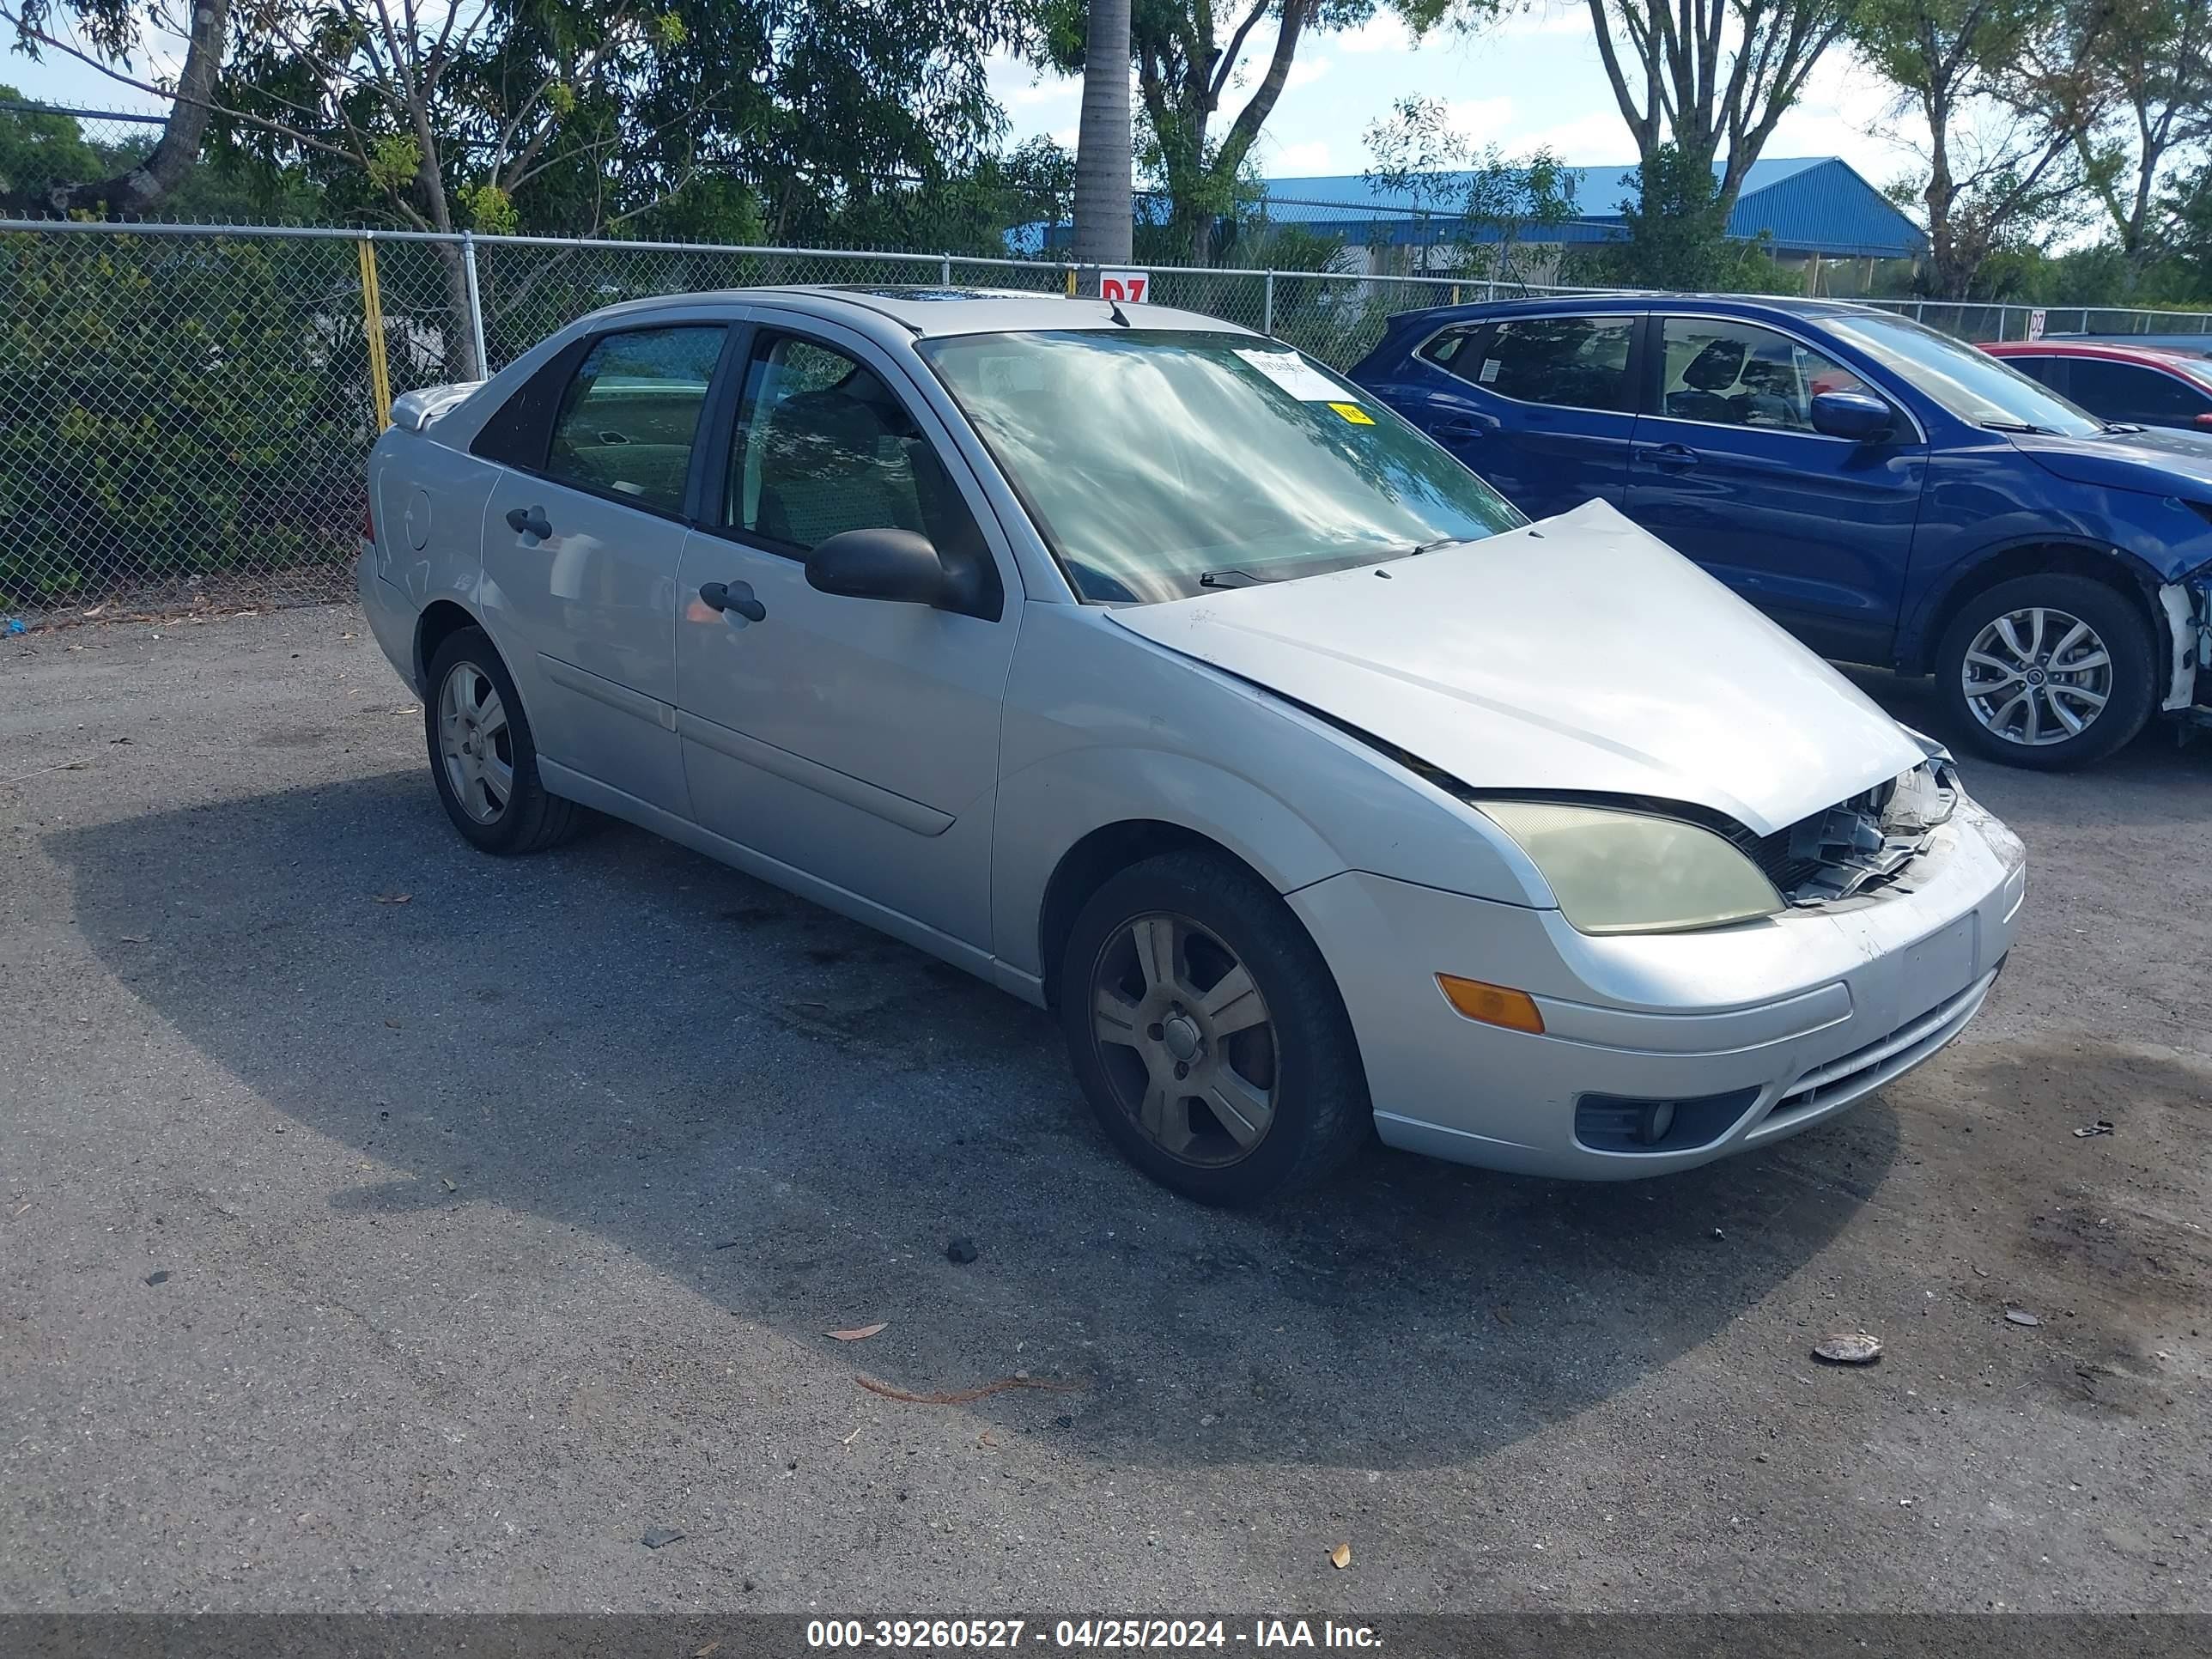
point(1541, 407)
point(1815, 531)
point(854, 740)
point(583, 538)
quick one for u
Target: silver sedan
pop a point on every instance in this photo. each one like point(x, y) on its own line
point(1145, 668)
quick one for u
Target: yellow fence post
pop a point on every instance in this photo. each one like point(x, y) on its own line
point(372, 322)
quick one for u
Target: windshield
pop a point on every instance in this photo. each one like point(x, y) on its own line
point(1977, 388)
point(1157, 464)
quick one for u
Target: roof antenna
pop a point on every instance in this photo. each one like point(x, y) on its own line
point(1114, 310)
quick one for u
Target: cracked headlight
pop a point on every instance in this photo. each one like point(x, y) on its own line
point(1630, 872)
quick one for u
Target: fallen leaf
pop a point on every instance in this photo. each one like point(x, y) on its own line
point(394, 898)
point(1340, 1557)
point(851, 1437)
point(655, 1537)
point(450, 1187)
point(858, 1334)
point(1849, 1348)
point(2020, 1317)
point(1503, 1315)
point(133, 939)
point(702, 1653)
point(2103, 1126)
point(393, 1023)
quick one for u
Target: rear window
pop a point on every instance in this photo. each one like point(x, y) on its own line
point(1565, 363)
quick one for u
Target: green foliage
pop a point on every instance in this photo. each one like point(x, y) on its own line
point(175, 405)
point(1485, 205)
point(39, 151)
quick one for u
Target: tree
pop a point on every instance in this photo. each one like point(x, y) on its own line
point(1103, 149)
point(1187, 71)
point(111, 26)
point(2132, 81)
point(1486, 205)
point(1702, 85)
point(1998, 165)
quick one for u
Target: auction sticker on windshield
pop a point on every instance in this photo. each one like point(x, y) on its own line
point(1295, 375)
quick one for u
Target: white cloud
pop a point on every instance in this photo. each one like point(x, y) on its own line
point(1384, 31)
point(1598, 139)
point(1544, 17)
point(1305, 71)
point(1302, 160)
point(1479, 120)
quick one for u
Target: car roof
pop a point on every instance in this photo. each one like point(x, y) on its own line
point(928, 312)
point(2157, 356)
point(1600, 301)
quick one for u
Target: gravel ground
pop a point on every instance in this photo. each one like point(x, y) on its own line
point(357, 1253)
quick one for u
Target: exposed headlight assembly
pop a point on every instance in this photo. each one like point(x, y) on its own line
point(1632, 873)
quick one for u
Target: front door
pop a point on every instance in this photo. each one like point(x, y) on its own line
point(1541, 407)
point(1816, 531)
point(581, 548)
point(855, 741)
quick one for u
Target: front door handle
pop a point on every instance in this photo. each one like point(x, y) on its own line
point(1669, 458)
point(1457, 426)
point(733, 596)
point(529, 521)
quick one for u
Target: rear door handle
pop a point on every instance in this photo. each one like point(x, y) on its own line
point(1668, 458)
point(1457, 426)
point(733, 596)
point(529, 521)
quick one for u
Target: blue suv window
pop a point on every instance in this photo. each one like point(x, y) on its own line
point(1731, 373)
point(1567, 363)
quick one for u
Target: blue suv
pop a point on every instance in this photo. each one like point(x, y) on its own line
point(1888, 494)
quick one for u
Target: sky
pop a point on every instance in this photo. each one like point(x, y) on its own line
point(1343, 82)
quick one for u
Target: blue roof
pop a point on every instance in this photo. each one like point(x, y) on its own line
point(1809, 204)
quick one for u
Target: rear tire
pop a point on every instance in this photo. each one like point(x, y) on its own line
point(1208, 1033)
point(482, 757)
point(2048, 673)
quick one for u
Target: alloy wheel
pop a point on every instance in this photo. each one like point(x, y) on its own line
point(476, 743)
point(1185, 1039)
point(2036, 677)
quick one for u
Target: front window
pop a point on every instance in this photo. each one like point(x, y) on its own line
point(1160, 464)
point(1731, 373)
point(1977, 388)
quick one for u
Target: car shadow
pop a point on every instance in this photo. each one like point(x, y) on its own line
point(791, 1114)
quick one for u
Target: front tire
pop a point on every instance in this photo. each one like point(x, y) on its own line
point(2048, 673)
point(482, 757)
point(1208, 1032)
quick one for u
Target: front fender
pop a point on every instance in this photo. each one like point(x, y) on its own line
point(1104, 727)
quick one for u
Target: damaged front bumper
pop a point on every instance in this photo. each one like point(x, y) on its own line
point(2187, 607)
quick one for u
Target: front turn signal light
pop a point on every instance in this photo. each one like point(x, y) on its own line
point(1493, 1004)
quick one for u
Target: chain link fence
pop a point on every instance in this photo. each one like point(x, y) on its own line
point(185, 410)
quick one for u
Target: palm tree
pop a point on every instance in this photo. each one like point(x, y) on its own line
point(1102, 219)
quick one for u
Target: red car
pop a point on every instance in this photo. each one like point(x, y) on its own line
point(2141, 385)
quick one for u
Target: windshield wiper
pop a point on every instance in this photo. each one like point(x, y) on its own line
point(2122, 425)
point(1439, 544)
point(1229, 579)
point(2016, 426)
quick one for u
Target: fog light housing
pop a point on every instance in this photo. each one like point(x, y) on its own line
point(1635, 1123)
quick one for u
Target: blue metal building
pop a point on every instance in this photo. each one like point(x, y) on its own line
point(1814, 206)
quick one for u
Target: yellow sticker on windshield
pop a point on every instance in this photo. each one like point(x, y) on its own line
point(1354, 413)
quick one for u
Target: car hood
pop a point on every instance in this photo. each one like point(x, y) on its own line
point(2157, 460)
point(1579, 654)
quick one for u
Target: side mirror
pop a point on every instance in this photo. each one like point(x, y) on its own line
point(897, 565)
point(1857, 416)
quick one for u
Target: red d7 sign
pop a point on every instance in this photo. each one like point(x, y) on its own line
point(1129, 285)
